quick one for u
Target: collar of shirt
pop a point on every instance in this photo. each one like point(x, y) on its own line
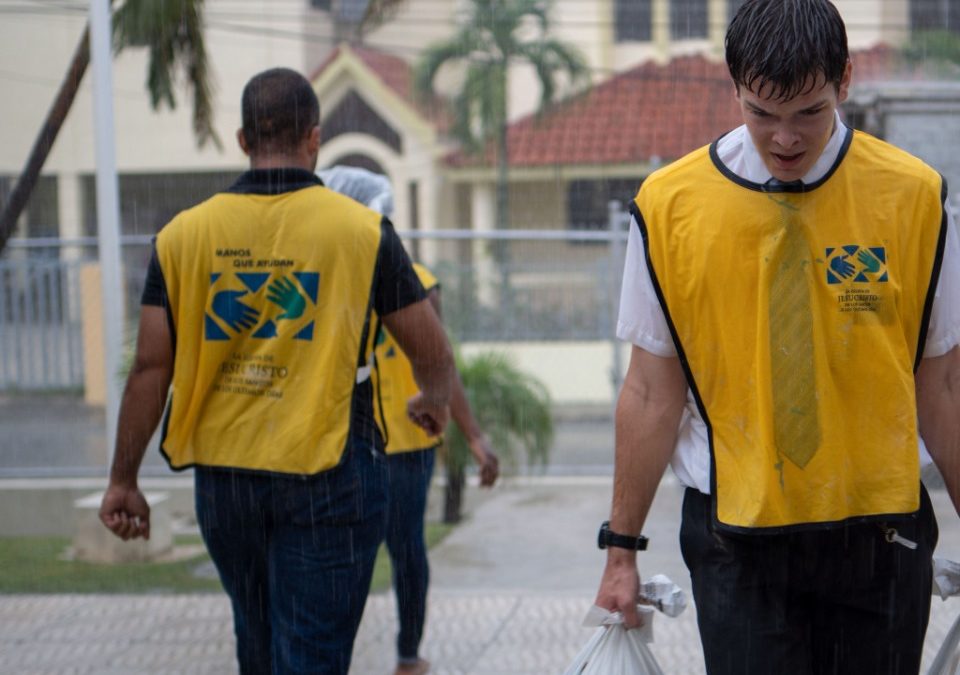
point(274, 181)
point(739, 154)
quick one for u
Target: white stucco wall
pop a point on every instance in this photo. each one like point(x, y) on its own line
point(573, 372)
point(243, 38)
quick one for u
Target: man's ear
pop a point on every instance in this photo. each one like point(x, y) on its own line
point(242, 142)
point(313, 139)
point(844, 87)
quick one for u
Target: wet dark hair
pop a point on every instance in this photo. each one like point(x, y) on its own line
point(279, 107)
point(781, 43)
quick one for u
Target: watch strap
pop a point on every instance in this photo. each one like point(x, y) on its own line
point(607, 538)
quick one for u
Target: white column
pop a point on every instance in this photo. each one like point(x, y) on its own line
point(661, 29)
point(70, 212)
point(108, 209)
point(483, 216)
point(429, 217)
point(716, 24)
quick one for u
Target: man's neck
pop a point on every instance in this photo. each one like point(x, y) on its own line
point(280, 161)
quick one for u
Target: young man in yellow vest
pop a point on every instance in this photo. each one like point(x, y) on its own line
point(255, 319)
point(410, 451)
point(792, 293)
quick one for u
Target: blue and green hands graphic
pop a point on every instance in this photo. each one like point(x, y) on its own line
point(869, 261)
point(872, 265)
point(254, 307)
point(283, 293)
point(227, 306)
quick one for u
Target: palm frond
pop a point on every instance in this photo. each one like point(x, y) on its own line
point(512, 407)
point(489, 39)
point(552, 59)
point(377, 12)
point(435, 57)
point(172, 32)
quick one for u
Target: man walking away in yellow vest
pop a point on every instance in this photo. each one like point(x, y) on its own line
point(254, 334)
point(410, 451)
point(792, 294)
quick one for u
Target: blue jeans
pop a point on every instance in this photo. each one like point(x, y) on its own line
point(295, 554)
point(409, 474)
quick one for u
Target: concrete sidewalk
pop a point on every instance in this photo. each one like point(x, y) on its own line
point(510, 588)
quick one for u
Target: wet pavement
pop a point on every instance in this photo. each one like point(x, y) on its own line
point(510, 586)
point(59, 435)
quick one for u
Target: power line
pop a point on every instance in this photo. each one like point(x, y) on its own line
point(400, 20)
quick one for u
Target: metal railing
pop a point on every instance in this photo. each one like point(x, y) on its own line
point(548, 285)
point(41, 341)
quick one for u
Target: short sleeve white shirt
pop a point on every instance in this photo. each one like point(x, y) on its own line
point(643, 323)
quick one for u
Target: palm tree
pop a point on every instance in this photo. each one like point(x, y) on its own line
point(493, 36)
point(513, 409)
point(172, 31)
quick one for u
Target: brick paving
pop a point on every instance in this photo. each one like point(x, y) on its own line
point(511, 586)
point(469, 633)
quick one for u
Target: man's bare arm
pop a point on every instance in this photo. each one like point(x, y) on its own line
point(938, 410)
point(648, 413)
point(124, 509)
point(418, 331)
point(487, 461)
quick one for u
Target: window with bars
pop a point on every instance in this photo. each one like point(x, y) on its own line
point(688, 19)
point(588, 200)
point(634, 20)
point(935, 15)
point(733, 6)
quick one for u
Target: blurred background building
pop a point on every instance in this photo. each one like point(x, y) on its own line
point(654, 87)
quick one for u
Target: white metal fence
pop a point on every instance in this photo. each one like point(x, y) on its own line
point(41, 342)
point(539, 285)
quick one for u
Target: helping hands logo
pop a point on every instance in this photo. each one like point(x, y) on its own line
point(268, 308)
point(860, 264)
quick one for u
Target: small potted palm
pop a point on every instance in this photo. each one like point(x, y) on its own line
point(513, 409)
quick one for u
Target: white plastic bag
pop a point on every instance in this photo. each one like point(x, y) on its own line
point(370, 189)
point(614, 650)
point(660, 592)
point(946, 582)
point(947, 661)
point(946, 577)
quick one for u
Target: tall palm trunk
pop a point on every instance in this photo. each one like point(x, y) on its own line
point(453, 494)
point(48, 134)
point(502, 247)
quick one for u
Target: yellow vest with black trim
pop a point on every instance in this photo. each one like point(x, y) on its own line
point(710, 243)
point(270, 296)
point(394, 381)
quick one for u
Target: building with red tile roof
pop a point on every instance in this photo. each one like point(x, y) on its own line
point(575, 156)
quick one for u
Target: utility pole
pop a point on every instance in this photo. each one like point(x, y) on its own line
point(108, 209)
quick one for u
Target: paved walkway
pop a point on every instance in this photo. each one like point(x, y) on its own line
point(510, 587)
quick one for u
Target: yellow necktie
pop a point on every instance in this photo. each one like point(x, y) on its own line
point(795, 420)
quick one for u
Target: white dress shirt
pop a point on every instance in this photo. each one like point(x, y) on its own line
point(642, 321)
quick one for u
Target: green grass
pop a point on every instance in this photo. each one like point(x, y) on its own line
point(38, 565)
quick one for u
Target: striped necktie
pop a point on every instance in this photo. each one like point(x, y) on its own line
point(795, 419)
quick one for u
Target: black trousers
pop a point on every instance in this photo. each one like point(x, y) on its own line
point(842, 601)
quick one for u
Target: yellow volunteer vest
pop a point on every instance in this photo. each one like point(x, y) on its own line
point(270, 295)
point(393, 378)
point(874, 229)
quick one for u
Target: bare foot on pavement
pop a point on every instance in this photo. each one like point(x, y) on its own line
point(419, 668)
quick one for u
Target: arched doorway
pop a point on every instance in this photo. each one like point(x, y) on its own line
point(362, 162)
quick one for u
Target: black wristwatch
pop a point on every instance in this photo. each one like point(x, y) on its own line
point(608, 537)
